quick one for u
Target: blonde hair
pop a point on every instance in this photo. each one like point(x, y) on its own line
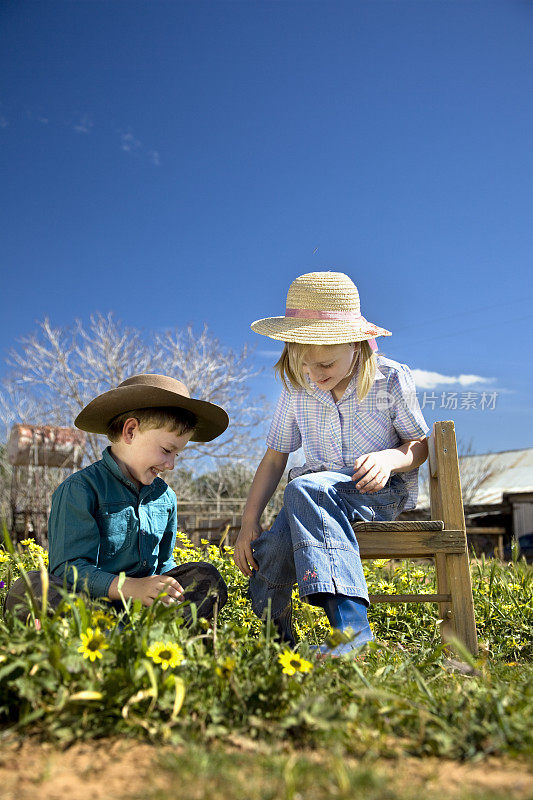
point(174, 420)
point(289, 367)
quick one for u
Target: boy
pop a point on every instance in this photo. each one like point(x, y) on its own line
point(117, 515)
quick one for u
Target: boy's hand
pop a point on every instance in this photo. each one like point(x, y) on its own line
point(242, 555)
point(373, 470)
point(147, 589)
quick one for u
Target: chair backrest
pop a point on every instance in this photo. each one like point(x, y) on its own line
point(444, 480)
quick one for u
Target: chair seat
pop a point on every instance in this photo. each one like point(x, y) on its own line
point(395, 525)
point(407, 539)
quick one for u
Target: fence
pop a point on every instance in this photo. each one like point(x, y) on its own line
point(209, 520)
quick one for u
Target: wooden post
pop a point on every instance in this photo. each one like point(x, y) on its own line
point(447, 503)
point(445, 607)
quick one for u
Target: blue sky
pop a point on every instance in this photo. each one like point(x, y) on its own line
point(180, 162)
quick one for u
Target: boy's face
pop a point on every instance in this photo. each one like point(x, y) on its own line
point(151, 451)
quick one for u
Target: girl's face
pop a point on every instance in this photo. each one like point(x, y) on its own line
point(330, 365)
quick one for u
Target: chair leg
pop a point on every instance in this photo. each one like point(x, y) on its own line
point(462, 601)
point(447, 627)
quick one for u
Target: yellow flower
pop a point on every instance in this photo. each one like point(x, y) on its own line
point(101, 619)
point(92, 642)
point(293, 662)
point(168, 654)
point(184, 540)
point(226, 668)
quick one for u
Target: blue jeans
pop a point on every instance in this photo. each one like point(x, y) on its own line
point(312, 542)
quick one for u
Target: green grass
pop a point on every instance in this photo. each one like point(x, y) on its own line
point(230, 681)
point(293, 776)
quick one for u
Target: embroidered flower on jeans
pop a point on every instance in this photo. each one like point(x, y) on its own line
point(309, 574)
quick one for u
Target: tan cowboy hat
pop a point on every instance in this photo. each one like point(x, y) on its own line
point(322, 308)
point(152, 391)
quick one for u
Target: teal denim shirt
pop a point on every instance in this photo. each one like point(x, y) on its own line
point(101, 524)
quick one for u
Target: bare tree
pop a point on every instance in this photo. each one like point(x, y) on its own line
point(474, 470)
point(218, 375)
point(5, 484)
point(16, 405)
point(57, 371)
point(183, 482)
point(226, 481)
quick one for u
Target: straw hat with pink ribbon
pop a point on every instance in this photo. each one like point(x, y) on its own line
point(322, 308)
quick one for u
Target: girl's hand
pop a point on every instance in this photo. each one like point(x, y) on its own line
point(372, 471)
point(242, 554)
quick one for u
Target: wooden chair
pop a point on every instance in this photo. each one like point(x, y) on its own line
point(442, 538)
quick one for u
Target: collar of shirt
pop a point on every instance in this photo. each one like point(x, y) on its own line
point(327, 397)
point(114, 468)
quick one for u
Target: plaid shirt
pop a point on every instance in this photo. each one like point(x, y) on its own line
point(334, 434)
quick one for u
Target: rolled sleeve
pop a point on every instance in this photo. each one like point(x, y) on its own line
point(74, 539)
point(165, 561)
point(406, 415)
point(284, 434)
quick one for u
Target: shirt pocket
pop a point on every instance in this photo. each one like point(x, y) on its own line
point(116, 530)
point(372, 432)
point(159, 517)
point(157, 523)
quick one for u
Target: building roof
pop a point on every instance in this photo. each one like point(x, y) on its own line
point(485, 479)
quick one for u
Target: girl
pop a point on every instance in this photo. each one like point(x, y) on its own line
point(357, 418)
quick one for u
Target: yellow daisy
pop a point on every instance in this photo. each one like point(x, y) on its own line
point(168, 654)
point(293, 662)
point(101, 619)
point(226, 668)
point(92, 643)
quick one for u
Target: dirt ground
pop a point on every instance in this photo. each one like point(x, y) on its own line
point(122, 769)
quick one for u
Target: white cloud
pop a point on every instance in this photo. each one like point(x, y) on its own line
point(425, 379)
point(134, 147)
point(270, 353)
point(129, 144)
point(43, 120)
point(83, 126)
